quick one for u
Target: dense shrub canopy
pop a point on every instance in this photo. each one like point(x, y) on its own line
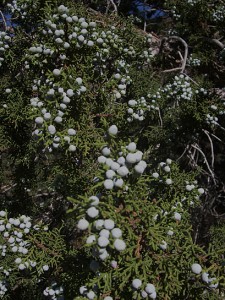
point(112, 150)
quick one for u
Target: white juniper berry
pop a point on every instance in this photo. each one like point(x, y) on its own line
point(103, 254)
point(170, 232)
point(108, 184)
point(92, 212)
point(103, 241)
point(201, 191)
point(116, 233)
point(163, 245)
point(99, 224)
point(118, 182)
point(83, 289)
point(45, 267)
point(72, 148)
point(56, 72)
point(52, 129)
point(167, 169)
point(39, 120)
point(82, 224)
point(131, 158)
point(105, 233)
point(47, 116)
point(177, 216)
point(79, 80)
point(213, 283)
point(196, 268)
point(114, 264)
point(70, 92)
point(119, 245)
point(101, 159)
point(94, 200)
point(71, 131)
point(132, 147)
point(139, 169)
point(139, 156)
point(205, 277)
point(136, 283)
point(110, 174)
point(22, 267)
point(155, 175)
point(106, 151)
point(169, 181)
point(153, 295)
point(123, 171)
point(150, 288)
point(91, 295)
point(58, 119)
point(66, 100)
point(121, 161)
point(115, 166)
point(109, 224)
point(91, 239)
point(113, 130)
point(66, 138)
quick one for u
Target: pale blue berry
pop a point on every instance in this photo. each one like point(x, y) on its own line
point(196, 268)
point(136, 283)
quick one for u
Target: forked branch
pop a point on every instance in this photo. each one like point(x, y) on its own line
point(183, 58)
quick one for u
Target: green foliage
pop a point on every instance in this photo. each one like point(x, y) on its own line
point(110, 151)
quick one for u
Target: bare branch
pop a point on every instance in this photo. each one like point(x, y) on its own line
point(215, 136)
point(172, 70)
point(185, 51)
point(5, 189)
point(215, 42)
point(111, 3)
point(3, 20)
point(184, 60)
point(181, 56)
point(195, 146)
point(212, 148)
point(185, 150)
point(160, 118)
point(191, 79)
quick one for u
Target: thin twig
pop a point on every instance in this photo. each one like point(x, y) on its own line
point(185, 150)
point(184, 60)
point(3, 20)
point(212, 148)
point(196, 234)
point(109, 3)
point(220, 126)
point(215, 42)
point(190, 79)
point(205, 160)
point(8, 188)
point(181, 56)
point(172, 70)
point(215, 136)
point(160, 118)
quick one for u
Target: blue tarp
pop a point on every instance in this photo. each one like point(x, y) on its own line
point(146, 11)
point(9, 21)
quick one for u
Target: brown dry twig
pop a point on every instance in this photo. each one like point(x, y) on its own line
point(111, 3)
point(183, 58)
point(138, 249)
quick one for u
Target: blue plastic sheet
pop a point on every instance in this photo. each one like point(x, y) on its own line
point(8, 19)
point(146, 11)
